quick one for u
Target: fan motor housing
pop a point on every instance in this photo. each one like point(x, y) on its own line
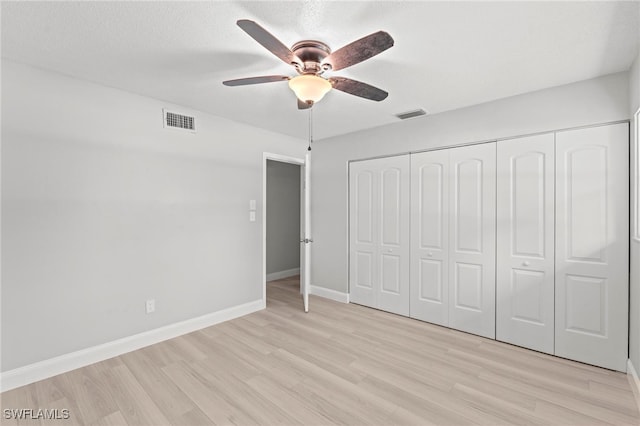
point(311, 53)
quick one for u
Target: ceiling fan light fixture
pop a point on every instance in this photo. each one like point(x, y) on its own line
point(309, 87)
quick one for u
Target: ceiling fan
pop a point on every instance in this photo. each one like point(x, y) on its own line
point(311, 59)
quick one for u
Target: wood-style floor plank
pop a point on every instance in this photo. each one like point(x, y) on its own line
point(337, 364)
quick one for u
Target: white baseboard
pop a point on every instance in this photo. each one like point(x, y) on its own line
point(634, 381)
point(61, 364)
point(330, 294)
point(283, 274)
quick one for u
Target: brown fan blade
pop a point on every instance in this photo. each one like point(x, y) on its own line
point(255, 80)
point(358, 88)
point(266, 39)
point(359, 50)
point(304, 105)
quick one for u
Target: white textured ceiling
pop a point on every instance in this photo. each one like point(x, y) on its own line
point(447, 55)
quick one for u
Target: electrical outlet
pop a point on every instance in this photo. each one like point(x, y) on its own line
point(151, 305)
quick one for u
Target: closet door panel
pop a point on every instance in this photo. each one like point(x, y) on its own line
point(468, 286)
point(525, 242)
point(393, 252)
point(472, 239)
point(430, 236)
point(468, 193)
point(592, 245)
point(363, 198)
point(379, 233)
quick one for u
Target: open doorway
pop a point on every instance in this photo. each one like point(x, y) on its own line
point(283, 198)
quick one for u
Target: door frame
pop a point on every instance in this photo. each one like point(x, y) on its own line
point(282, 159)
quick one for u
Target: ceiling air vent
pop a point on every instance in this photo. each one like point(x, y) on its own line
point(411, 114)
point(179, 121)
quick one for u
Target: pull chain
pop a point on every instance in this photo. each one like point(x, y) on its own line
point(310, 128)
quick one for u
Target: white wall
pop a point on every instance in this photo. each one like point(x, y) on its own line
point(102, 208)
point(634, 309)
point(283, 216)
point(593, 101)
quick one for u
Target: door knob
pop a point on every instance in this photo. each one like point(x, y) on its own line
point(430, 254)
point(525, 263)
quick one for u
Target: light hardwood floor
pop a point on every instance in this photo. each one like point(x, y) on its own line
point(338, 364)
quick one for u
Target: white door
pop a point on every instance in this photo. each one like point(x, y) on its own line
point(379, 233)
point(525, 242)
point(472, 234)
point(393, 255)
point(363, 239)
point(592, 243)
point(430, 236)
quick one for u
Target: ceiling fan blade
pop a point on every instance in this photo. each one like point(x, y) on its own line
point(266, 39)
point(255, 80)
point(358, 88)
point(359, 50)
point(304, 105)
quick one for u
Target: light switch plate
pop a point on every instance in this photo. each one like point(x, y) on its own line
point(252, 204)
point(252, 216)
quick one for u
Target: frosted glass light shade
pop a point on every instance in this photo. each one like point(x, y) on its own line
point(309, 87)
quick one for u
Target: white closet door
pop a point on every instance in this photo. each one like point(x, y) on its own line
point(379, 233)
point(363, 216)
point(393, 255)
point(592, 243)
point(525, 242)
point(430, 236)
point(472, 239)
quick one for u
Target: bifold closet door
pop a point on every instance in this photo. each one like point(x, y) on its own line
point(525, 242)
point(472, 236)
point(379, 233)
point(430, 236)
point(592, 245)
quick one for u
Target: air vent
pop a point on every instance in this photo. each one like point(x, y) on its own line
point(411, 114)
point(179, 121)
